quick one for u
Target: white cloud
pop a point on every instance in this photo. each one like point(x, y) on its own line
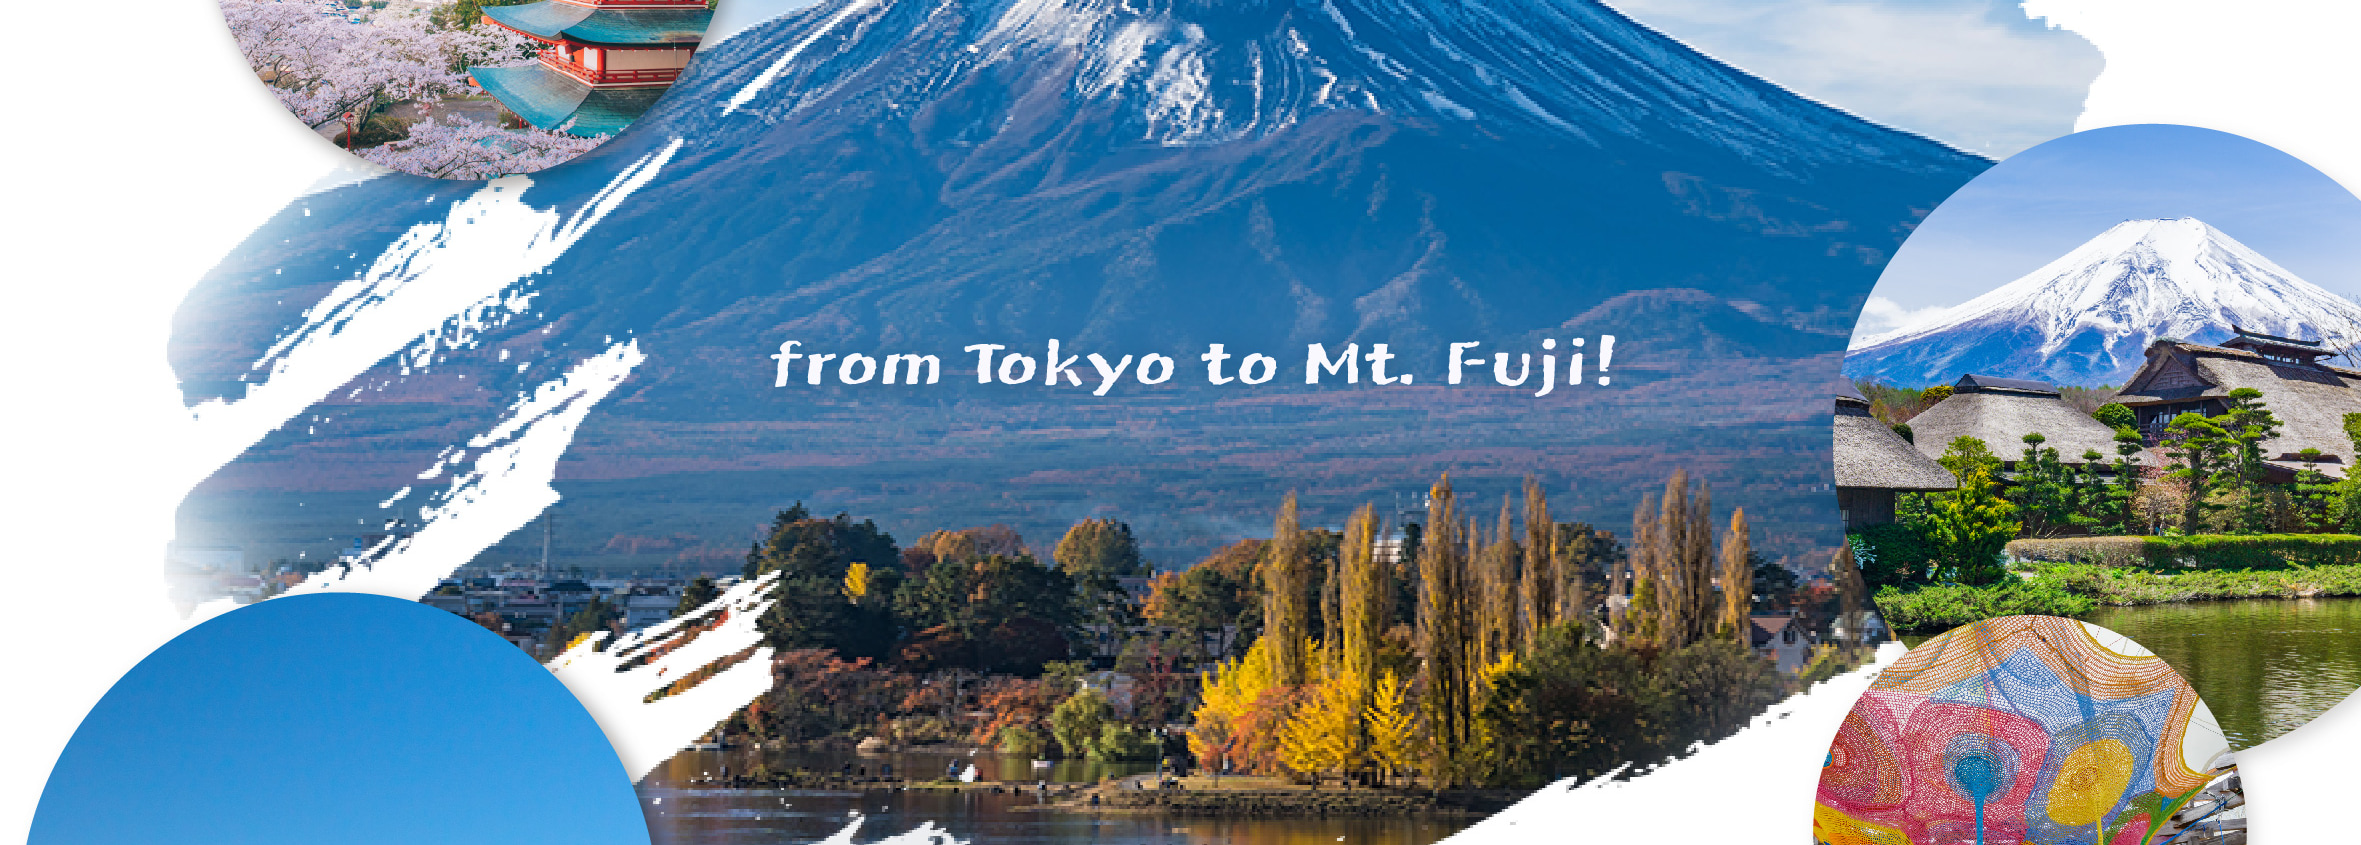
point(2276, 71)
point(1882, 316)
point(1976, 74)
point(734, 16)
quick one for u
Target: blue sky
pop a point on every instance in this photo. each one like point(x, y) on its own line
point(346, 719)
point(2041, 204)
point(1976, 74)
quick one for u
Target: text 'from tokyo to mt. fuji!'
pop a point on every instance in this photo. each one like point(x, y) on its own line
point(1543, 367)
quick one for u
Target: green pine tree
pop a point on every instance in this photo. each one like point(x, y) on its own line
point(1971, 524)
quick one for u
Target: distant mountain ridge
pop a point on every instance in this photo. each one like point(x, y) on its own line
point(2087, 318)
point(1152, 175)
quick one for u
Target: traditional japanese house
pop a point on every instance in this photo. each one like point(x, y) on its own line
point(1873, 463)
point(2310, 397)
point(2001, 411)
point(603, 64)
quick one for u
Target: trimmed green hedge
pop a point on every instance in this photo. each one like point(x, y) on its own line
point(1943, 607)
point(2105, 551)
point(2200, 552)
point(2259, 551)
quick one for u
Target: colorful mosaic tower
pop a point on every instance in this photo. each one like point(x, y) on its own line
point(604, 64)
point(2020, 729)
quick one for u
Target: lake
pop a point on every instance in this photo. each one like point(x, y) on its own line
point(2264, 666)
point(680, 813)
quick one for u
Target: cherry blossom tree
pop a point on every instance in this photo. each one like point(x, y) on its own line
point(465, 150)
point(322, 66)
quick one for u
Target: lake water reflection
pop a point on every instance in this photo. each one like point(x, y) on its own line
point(2265, 667)
point(680, 813)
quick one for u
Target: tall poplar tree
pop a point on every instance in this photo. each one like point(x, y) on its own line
point(1366, 599)
point(1443, 632)
point(1637, 624)
point(1497, 621)
point(1737, 578)
point(1541, 565)
point(1332, 610)
point(1287, 596)
point(1685, 560)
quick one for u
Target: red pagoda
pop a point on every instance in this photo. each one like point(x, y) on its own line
point(605, 63)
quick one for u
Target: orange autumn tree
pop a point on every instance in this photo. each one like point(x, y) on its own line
point(1241, 705)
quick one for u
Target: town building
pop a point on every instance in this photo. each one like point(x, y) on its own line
point(1860, 626)
point(2310, 397)
point(195, 557)
point(603, 63)
point(1874, 464)
point(645, 606)
point(1785, 640)
point(2001, 411)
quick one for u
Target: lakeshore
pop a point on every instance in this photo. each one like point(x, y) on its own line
point(1226, 796)
point(1233, 796)
point(684, 808)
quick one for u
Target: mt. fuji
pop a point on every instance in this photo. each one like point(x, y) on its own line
point(1140, 176)
point(2088, 317)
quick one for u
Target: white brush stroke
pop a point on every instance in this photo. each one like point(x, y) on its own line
point(646, 733)
point(507, 486)
point(771, 74)
point(924, 834)
point(438, 280)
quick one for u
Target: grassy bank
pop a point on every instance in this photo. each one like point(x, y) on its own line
point(2139, 586)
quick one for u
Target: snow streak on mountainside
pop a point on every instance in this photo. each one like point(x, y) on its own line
point(2088, 317)
point(1193, 72)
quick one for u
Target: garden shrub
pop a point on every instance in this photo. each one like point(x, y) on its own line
point(1893, 555)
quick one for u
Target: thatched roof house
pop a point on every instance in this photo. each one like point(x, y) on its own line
point(2001, 412)
point(2309, 397)
point(1873, 463)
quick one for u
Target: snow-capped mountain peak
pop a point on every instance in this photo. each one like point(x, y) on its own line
point(2089, 316)
point(1204, 72)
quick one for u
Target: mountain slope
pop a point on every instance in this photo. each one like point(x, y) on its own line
point(1142, 176)
point(2088, 317)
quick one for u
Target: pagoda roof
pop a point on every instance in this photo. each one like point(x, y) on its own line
point(549, 99)
point(554, 21)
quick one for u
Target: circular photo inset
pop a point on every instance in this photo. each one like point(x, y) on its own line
point(467, 89)
point(2113, 379)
